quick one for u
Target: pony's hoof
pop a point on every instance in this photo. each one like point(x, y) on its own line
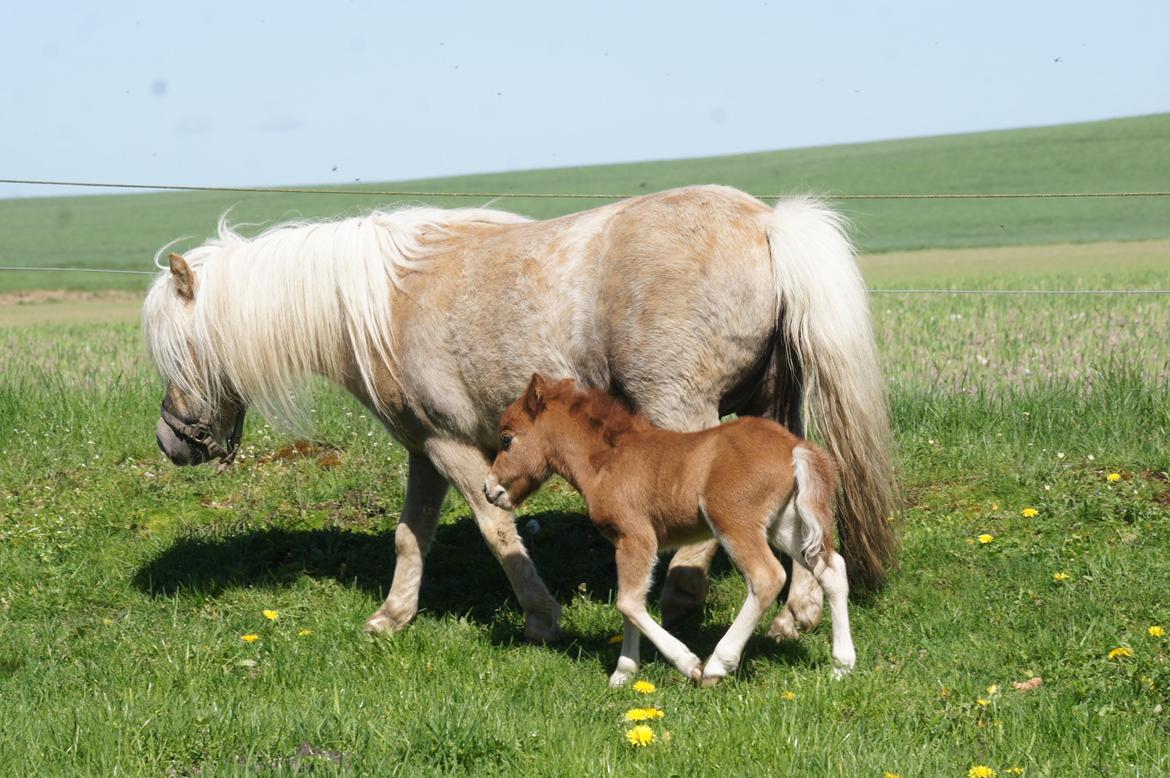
point(540, 628)
point(619, 679)
point(707, 681)
point(783, 628)
point(382, 623)
point(805, 606)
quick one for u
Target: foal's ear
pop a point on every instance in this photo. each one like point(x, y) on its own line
point(534, 395)
point(184, 278)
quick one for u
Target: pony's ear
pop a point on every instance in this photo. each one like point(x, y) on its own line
point(184, 278)
point(534, 395)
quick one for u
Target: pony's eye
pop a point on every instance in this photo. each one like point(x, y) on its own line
point(505, 441)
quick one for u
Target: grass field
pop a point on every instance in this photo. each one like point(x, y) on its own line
point(127, 585)
point(1116, 155)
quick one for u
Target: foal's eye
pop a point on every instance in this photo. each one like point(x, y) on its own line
point(505, 441)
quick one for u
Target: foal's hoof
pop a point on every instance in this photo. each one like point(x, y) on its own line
point(707, 681)
point(783, 627)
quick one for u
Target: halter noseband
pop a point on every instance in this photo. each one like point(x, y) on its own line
point(200, 432)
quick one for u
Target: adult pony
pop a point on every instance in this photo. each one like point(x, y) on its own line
point(690, 303)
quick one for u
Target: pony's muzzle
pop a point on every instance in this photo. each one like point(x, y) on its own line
point(496, 494)
point(179, 451)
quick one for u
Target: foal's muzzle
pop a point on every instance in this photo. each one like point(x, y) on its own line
point(496, 494)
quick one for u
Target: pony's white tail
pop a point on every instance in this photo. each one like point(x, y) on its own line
point(826, 337)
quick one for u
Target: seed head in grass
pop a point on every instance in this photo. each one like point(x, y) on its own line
point(643, 714)
point(1029, 513)
point(251, 637)
point(980, 771)
point(640, 736)
point(1120, 652)
point(271, 615)
point(644, 687)
point(985, 538)
point(1156, 632)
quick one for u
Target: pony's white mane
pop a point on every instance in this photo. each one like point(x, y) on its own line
point(301, 298)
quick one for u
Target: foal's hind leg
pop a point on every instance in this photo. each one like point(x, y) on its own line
point(764, 576)
point(466, 467)
point(636, 556)
point(425, 489)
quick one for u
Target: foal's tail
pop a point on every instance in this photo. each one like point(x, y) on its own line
point(826, 338)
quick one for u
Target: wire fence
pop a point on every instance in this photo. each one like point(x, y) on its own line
point(564, 195)
point(418, 194)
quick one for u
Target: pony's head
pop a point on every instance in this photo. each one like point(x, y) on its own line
point(522, 463)
point(201, 416)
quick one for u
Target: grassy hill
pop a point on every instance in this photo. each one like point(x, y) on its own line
point(1130, 154)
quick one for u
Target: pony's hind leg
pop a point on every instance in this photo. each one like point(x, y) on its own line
point(466, 467)
point(425, 489)
point(627, 664)
point(832, 577)
point(636, 556)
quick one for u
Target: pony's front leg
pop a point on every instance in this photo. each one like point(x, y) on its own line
point(466, 467)
point(635, 565)
point(425, 489)
point(627, 665)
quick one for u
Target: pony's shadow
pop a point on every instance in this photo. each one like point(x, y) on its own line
point(461, 577)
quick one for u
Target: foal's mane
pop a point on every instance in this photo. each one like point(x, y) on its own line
point(301, 298)
point(608, 416)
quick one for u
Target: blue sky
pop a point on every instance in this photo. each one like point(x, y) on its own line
point(269, 93)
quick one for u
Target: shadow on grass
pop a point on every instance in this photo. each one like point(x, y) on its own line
point(461, 578)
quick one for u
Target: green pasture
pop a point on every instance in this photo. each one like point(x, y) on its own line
point(127, 585)
point(1117, 155)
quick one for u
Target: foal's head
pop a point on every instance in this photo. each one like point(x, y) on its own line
point(546, 414)
point(522, 463)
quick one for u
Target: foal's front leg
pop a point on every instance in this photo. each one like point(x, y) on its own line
point(636, 556)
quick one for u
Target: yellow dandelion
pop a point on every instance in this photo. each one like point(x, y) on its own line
point(615, 639)
point(980, 771)
point(1156, 632)
point(890, 775)
point(270, 615)
point(993, 690)
point(304, 633)
point(1120, 652)
point(788, 696)
point(250, 637)
point(643, 714)
point(1029, 513)
point(995, 506)
point(1113, 478)
point(640, 736)
point(1015, 770)
point(985, 538)
point(982, 703)
point(644, 687)
point(1061, 576)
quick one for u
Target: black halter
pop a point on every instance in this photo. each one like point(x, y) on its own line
point(200, 432)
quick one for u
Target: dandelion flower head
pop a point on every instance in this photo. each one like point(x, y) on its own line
point(1113, 478)
point(644, 687)
point(304, 633)
point(250, 637)
point(788, 696)
point(980, 771)
point(985, 538)
point(1156, 632)
point(643, 714)
point(640, 736)
point(1120, 651)
point(271, 615)
point(1029, 513)
point(1061, 576)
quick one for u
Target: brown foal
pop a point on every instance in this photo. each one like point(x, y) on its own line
point(750, 483)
